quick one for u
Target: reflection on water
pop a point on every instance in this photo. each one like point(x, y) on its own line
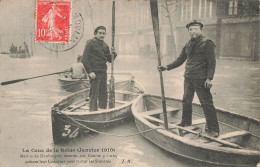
point(25, 106)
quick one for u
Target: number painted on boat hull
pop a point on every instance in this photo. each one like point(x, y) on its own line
point(68, 132)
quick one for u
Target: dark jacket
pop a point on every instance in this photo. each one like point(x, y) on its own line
point(200, 56)
point(96, 55)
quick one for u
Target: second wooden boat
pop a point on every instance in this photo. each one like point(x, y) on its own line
point(19, 55)
point(238, 144)
point(68, 84)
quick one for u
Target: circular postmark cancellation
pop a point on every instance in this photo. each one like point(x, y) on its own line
point(76, 29)
point(56, 29)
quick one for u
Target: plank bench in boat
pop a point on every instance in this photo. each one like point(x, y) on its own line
point(234, 134)
point(194, 132)
point(126, 92)
point(160, 111)
point(77, 105)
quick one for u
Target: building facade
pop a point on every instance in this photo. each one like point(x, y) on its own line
point(232, 24)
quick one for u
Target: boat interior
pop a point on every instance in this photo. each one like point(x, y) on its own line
point(235, 131)
point(125, 92)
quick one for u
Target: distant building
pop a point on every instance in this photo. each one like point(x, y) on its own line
point(238, 29)
point(232, 24)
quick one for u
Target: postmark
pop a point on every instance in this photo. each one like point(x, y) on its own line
point(77, 29)
point(53, 21)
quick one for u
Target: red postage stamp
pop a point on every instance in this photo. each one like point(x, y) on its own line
point(53, 21)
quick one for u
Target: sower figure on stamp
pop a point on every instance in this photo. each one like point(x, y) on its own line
point(199, 72)
point(95, 57)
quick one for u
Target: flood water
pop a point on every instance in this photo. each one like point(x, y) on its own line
point(26, 118)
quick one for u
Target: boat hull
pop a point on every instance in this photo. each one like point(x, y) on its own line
point(206, 154)
point(19, 55)
point(68, 127)
point(72, 85)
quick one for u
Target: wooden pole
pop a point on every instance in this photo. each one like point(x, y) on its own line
point(24, 79)
point(156, 29)
point(112, 85)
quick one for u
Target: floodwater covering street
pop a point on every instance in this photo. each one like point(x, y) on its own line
point(26, 118)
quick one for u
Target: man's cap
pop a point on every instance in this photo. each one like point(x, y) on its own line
point(98, 28)
point(194, 23)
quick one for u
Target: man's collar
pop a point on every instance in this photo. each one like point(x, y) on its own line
point(98, 40)
point(197, 38)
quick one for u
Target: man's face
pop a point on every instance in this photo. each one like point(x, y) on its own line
point(195, 31)
point(101, 34)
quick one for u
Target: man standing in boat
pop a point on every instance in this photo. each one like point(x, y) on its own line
point(199, 52)
point(95, 57)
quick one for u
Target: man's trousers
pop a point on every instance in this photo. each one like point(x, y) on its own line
point(197, 85)
point(98, 91)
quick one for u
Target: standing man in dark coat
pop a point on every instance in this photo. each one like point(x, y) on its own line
point(199, 72)
point(95, 57)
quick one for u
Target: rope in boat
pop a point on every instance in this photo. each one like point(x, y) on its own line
point(110, 134)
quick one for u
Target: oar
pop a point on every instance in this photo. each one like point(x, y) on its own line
point(156, 30)
point(24, 79)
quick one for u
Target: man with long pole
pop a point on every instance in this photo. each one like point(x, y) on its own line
point(95, 56)
point(199, 54)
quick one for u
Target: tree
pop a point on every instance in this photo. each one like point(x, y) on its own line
point(171, 7)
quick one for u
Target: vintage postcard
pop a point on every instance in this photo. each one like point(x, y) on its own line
point(129, 83)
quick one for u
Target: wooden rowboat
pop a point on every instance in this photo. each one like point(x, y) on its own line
point(19, 55)
point(68, 84)
point(71, 116)
point(237, 145)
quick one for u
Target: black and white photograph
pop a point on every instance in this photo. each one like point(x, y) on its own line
point(129, 83)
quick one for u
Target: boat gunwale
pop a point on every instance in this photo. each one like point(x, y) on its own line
point(62, 78)
point(183, 139)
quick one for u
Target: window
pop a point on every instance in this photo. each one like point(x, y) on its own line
point(186, 13)
point(232, 7)
point(205, 9)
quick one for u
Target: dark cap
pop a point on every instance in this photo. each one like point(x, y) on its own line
point(194, 23)
point(98, 28)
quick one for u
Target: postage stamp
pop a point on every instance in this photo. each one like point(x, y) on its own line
point(53, 21)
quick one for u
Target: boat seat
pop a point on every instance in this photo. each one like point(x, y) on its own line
point(120, 101)
point(85, 107)
point(233, 134)
point(126, 92)
point(160, 111)
point(76, 106)
point(196, 122)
